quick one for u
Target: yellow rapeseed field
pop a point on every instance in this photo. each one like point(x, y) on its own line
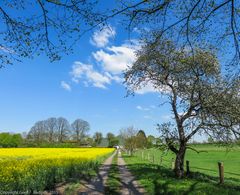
point(37, 169)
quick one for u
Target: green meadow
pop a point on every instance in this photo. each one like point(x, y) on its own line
point(152, 167)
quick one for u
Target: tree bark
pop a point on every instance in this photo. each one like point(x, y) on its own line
point(179, 162)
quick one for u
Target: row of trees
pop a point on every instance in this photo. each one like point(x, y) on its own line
point(58, 130)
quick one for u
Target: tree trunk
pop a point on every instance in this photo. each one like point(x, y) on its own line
point(179, 163)
point(131, 152)
point(78, 137)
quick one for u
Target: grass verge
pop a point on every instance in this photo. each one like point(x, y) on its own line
point(157, 179)
point(113, 183)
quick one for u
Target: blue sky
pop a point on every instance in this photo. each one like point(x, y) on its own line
point(86, 84)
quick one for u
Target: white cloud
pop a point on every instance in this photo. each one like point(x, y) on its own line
point(101, 38)
point(142, 108)
point(115, 78)
point(113, 60)
point(6, 49)
point(89, 75)
point(166, 117)
point(65, 86)
point(146, 88)
point(153, 106)
point(148, 117)
point(116, 59)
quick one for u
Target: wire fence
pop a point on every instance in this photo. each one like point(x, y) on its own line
point(217, 172)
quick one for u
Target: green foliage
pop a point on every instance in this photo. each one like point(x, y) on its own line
point(131, 144)
point(158, 179)
point(112, 140)
point(150, 141)
point(97, 138)
point(141, 139)
point(54, 145)
point(10, 140)
point(129, 135)
point(210, 140)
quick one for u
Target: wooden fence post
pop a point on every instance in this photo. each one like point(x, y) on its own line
point(153, 159)
point(221, 172)
point(187, 168)
point(173, 164)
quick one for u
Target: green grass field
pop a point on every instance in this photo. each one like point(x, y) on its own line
point(203, 166)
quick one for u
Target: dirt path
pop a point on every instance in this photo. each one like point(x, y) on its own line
point(96, 186)
point(129, 184)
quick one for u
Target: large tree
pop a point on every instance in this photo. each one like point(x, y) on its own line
point(201, 99)
point(51, 127)
point(80, 129)
point(63, 129)
point(129, 138)
point(38, 132)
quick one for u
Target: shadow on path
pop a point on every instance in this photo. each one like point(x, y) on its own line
point(96, 185)
point(129, 184)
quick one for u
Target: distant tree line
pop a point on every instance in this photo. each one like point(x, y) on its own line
point(58, 130)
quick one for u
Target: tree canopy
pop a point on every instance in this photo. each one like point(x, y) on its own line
point(10, 140)
point(201, 98)
point(58, 130)
point(34, 27)
point(30, 28)
point(80, 128)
